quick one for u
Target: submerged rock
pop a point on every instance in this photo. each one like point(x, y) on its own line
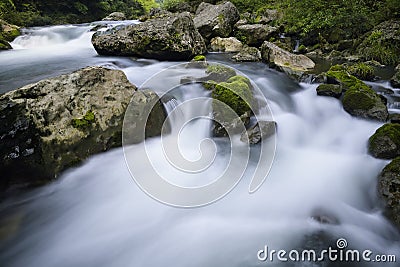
point(170, 37)
point(56, 123)
point(216, 20)
point(389, 189)
point(385, 142)
point(117, 16)
point(292, 64)
point(255, 34)
point(230, 44)
point(248, 54)
point(262, 130)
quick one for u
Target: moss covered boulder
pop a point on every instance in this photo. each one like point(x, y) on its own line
point(248, 54)
point(385, 142)
point(219, 73)
point(333, 90)
point(359, 100)
point(230, 44)
point(255, 34)
point(169, 37)
point(56, 123)
point(389, 189)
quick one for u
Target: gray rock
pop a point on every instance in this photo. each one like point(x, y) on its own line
point(256, 34)
point(248, 54)
point(389, 189)
point(395, 80)
point(292, 64)
point(170, 37)
point(56, 123)
point(261, 131)
point(394, 118)
point(333, 90)
point(230, 44)
point(385, 142)
point(117, 16)
point(216, 20)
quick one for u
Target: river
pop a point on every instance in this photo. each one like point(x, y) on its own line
point(95, 214)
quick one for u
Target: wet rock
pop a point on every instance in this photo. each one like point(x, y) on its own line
point(170, 37)
point(385, 142)
point(389, 189)
point(394, 118)
point(333, 90)
point(56, 123)
point(359, 100)
point(230, 44)
point(255, 34)
point(117, 16)
point(216, 20)
point(294, 65)
point(248, 54)
point(9, 32)
point(261, 131)
point(395, 80)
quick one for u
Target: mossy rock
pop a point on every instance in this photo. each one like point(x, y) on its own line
point(385, 142)
point(219, 73)
point(333, 90)
point(236, 94)
point(362, 71)
point(4, 45)
point(389, 190)
point(359, 100)
point(199, 58)
point(395, 80)
point(241, 79)
point(11, 34)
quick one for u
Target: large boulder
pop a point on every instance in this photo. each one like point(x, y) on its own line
point(216, 20)
point(359, 100)
point(385, 142)
point(248, 54)
point(117, 16)
point(230, 44)
point(389, 189)
point(255, 34)
point(56, 123)
point(170, 37)
point(294, 65)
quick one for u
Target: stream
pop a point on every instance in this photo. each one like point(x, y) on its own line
point(95, 214)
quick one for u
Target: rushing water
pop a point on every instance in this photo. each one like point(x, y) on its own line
point(95, 215)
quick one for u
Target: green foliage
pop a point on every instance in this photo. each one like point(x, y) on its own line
point(302, 49)
point(377, 47)
point(85, 122)
point(170, 4)
point(37, 13)
point(362, 71)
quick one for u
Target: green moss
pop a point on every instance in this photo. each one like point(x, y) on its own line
point(11, 35)
point(85, 122)
point(393, 166)
point(199, 58)
point(236, 94)
point(345, 78)
point(239, 78)
point(302, 49)
point(362, 71)
point(337, 67)
point(209, 85)
point(357, 98)
point(220, 69)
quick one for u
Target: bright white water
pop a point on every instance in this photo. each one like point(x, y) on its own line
point(95, 215)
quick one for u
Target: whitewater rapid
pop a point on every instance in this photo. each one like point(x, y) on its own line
point(95, 215)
